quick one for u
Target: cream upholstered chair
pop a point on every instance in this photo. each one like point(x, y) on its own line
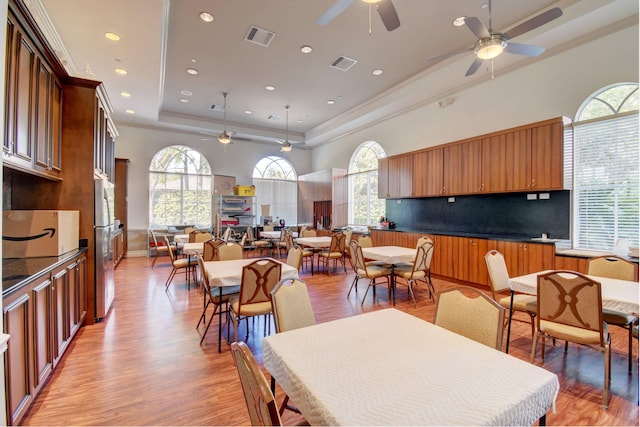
point(420, 270)
point(212, 297)
point(229, 251)
point(258, 280)
point(159, 248)
point(469, 312)
point(201, 236)
point(365, 241)
point(616, 268)
point(309, 232)
point(372, 272)
point(281, 244)
point(177, 264)
point(294, 257)
point(188, 230)
point(422, 240)
point(257, 244)
point(499, 282)
point(227, 234)
point(335, 253)
point(570, 309)
point(267, 228)
point(210, 249)
point(263, 410)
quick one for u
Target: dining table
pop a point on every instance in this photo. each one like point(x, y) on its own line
point(388, 367)
point(393, 256)
point(618, 295)
point(315, 243)
point(229, 273)
point(275, 234)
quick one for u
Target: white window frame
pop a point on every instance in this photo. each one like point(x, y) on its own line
point(276, 183)
point(359, 170)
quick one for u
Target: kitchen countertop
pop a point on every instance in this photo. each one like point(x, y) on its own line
point(16, 272)
point(526, 239)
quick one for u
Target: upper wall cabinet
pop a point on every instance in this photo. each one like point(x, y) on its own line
point(462, 168)
point(428, 173)
point(395, 177)
point(33, 99)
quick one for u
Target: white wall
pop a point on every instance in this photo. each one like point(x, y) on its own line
point(555, 86)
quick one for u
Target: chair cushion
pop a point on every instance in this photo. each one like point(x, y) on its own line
point(409, 274)
point(183, 263)
point(374, 271)
point(521, 302)
point(617, 318)
point(572, 333)
point(330, 254)
point(250, 309)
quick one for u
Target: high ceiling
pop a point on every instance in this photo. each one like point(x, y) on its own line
point(160, 40)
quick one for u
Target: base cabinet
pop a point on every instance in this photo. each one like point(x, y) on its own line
point(41, 318)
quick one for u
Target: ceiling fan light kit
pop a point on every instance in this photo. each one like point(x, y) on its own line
point(224, 137)
point(491, 47)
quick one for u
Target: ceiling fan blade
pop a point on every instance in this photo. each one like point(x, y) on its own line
point(474, 67)
point(524, 49)
point(388, 15)
point(477, 27)
point(447, 55)
point(534, 22)
point(334, 11)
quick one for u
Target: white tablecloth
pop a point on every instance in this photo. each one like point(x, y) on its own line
point(619, 295)
point(229, 273)
point(181, 238)
point(315, 242)
point(275, 234)
point(390, 254)
point(390, 368)
point(192, 248)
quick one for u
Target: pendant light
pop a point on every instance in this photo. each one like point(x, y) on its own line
point(286, 145)
point(224, 137)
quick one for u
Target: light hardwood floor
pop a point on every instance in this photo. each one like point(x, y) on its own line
point(143, 365)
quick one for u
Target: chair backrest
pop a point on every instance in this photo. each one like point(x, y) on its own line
point(424, 254)
point(210, 249)
point(469, 312)
point(365, 241)
point(202, 236)
point(612, 267)
point(229, 251)
point(302, 230)
point(570, 298)
point(498, 274)
point(357, 258)
point(227, 234)
point(258, 280)
point(243, 240)
point(204, 279)
point(308, 233)
point(262, 406)
point(347, 237)
point(188, 230)
point(422, 240)
point(153, 236)
point(337, 243)
point(291, 305)
point(267, 227)
point(192, 235)
point(288, 238)
point(250, 236)
point(294, 257)
point(172, 256)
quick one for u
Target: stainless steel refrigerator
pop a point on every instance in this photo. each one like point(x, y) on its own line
point(104, 266)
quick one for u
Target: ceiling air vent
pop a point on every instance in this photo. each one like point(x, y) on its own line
point(216, 107)
point(274, 117)
point(259, 36)
point(343, 63)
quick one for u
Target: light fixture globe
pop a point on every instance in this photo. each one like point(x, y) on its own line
point(286, 147)
point(490, 47)
point(224, 138)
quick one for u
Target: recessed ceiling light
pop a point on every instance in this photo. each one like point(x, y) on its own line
point(248, 112)
point(184, 100)
point(306, 49)
point(125, 94)
point(459, 21)
point(484, 5)
point(206, 16)
point(299, 121)
point(121, 71)
point(330, 101)
point(269, 87)
point(186, 92)
point(130, 111)
point(112, 36)
point(192, 71)
point(377, 72)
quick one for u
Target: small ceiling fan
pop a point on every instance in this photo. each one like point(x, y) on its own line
point(385, 8)
point(286, 145)
point(225, 137)
point(490, 44)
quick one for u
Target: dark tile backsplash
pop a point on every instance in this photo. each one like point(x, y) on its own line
point(508, 214)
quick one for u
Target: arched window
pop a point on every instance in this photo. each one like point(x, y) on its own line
point(179, 188)
point(276, 184)
point(364, 206)
point(606, 161)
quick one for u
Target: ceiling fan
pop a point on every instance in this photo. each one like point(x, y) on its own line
point(385, 9)
point(286, 145)
point(490, 44)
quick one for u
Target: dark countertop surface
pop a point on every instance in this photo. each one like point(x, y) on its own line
point(16, 272)
point(524, 239)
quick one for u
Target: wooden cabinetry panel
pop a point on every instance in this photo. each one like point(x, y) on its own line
point(43, 348)
point(571, 263)
point(524, 258)
point(400, 176)
point(383, 178)
point(547, 157)
point(427, 173)
point(505, 162)
point(21, 138)
point(462, 168)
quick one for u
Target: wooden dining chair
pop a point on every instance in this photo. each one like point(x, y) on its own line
point(261, 245)
point(229, 251)
point(177, 264)
point(335, 253)
point(159, 248)
point(615, 267)
point(418, 271)
point(373, 272)
point(263, 410)
point(470, 312)
point(216, 296)
point(570, 309)
point(502, 293)
point(210, 249)
point(422, 240)
point(258, 280)
point(294, 257)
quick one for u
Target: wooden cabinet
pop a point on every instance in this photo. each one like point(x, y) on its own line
point(462, 168)
point(547, 156)
point(42, 317)
point(118, 247)
point(121, 199)
point(505, 162)
point(33, 107)
point(395, 177)
point(427, 173)
point(524, 258)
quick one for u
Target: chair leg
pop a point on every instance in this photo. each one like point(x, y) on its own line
point(630, 327)
point(534, 343)
point(410, 285)
point(607, 374)
point(169, 279)
point(353, 284)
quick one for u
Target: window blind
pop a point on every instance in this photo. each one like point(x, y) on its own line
point(606, 181)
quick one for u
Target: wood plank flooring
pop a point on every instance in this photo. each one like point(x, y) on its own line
point(143, 365)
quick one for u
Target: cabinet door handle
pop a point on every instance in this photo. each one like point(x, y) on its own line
point(533, 183)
